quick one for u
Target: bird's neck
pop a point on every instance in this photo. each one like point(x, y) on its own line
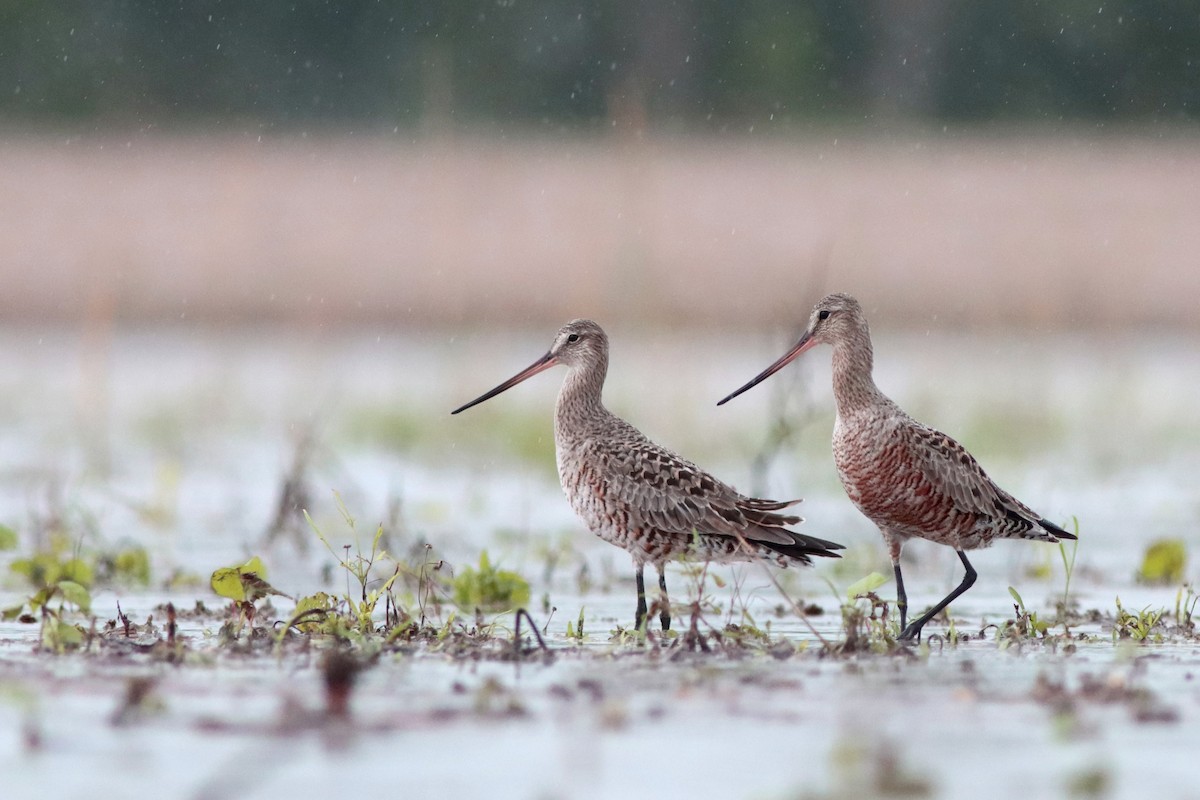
point(579, 398)
point(853, 385)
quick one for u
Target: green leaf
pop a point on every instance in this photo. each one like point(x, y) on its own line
point(23, 566)
point(1164, 562)
point(864, 585)
point(76, 594)
point(1016, 597)
point(256, 566)
point(227, 582)
point(40, 597)
point(8, 538)
point(319, 600)
point(314, 623)
point(77, 570)
point(246, 582)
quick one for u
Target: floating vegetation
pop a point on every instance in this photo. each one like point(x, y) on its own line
point(1164, 563)
point(489, 589)
point(244, 584)
point(8, 538)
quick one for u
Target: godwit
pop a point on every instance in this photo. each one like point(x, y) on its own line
point(907, 478)
point(641, 497)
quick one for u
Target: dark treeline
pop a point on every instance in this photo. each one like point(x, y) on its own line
point(585, 64)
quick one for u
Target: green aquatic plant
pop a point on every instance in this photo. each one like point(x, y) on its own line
point(575, 630)
point(360, 566)
point(867, 623)
point(1164, 562)
point(1027, 624)
point(489, 589)
point(1138, 626)
point(1064, 608)
point(244, 584)
point(48, 569)
point(315, 614)
point(128, 566)
point(60, 585)
point(1185, 607)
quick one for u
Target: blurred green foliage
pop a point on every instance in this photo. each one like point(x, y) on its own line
point(1164, 562)
point(555, 63)
point(489, 588)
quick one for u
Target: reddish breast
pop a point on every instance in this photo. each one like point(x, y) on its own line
point(890, 488)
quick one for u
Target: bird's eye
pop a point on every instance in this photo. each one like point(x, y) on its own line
point(574, 337)
point(823, 314)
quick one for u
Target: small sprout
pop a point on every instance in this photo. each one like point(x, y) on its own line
point(1164, 562)
point(1137, 625)
point(1027, 623)
point(489, 589)
point(575, 630)
point(1068, 571)
point(8, 538)
point(1185, 607)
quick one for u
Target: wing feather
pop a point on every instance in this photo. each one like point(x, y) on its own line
point(666, 491)
point(954, 473)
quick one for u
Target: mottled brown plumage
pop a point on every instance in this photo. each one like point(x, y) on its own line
point(907, 478)
point(641, 497)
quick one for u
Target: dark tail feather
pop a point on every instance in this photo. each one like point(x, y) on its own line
point(1058, 532)
point(770, 520)
point(759, 504)
point(801, 547)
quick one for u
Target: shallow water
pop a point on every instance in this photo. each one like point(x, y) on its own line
point(178, 439)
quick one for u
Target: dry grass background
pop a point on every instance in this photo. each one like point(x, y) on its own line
point(1053, 231)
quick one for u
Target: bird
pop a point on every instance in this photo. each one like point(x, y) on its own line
point(910, 480)
point(644, 498)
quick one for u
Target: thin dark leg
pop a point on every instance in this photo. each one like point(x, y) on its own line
point(665, 615)
point(640, 616)
point(913, 631)
point(901, 597)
